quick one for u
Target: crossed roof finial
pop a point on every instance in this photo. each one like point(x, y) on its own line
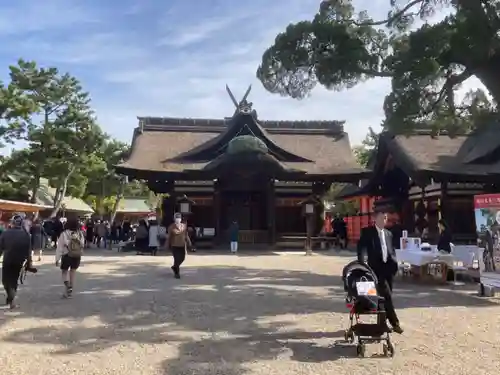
point(243, 102)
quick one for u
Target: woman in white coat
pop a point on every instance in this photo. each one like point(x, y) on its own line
point(154, 242)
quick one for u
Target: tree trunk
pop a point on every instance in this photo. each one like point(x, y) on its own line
point(58, 196)
point(34, 189)
point(99, 205)
point(489, 75)
point(119, 197)
point(61, 193)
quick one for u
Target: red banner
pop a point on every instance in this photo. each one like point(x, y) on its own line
point(487, 201)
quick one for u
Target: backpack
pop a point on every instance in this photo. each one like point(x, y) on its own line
point(75, 248)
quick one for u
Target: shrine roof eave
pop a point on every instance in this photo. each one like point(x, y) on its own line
point(427, 176)
point(198, 175)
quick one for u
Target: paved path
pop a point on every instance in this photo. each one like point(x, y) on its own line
point(232, 315)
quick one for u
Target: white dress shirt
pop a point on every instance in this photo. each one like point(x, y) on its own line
point(383, 244)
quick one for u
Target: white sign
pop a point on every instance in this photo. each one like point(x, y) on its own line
point(209, 232)
point(410, 243)
point(184, 208)
point(366, 288)
point(309, 208)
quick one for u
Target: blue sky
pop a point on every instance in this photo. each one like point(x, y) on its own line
point(174, 57)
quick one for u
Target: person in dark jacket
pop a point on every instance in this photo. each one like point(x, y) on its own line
point(142, 237)
point(397, 232)
point(57, 229)
point(376, 243)
point(444, 242)
point(37, 239)
point(15, 244)
point(126, 230)
point(89, 234)
point(234, 234)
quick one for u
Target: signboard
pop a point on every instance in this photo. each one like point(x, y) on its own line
point(487, 214)
point(184, 206)
point(410, 243)
point(366, 288)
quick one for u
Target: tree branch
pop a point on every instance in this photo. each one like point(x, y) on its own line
point(451, 81)
point(391, 19)
point(490, 10)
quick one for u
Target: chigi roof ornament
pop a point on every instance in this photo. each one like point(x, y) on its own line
point(243, 106)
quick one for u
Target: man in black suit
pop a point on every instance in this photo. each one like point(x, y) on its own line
point(376, 243)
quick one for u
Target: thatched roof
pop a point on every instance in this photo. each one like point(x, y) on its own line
point(46, 195)
point(422, 156)
point(465, 156)
point(175, 145)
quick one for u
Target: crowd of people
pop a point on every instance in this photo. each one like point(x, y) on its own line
point(24, 238)
point(97, 232)
point(19, 241)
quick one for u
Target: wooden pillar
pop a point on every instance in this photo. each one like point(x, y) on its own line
point(364, 205)
point(271, 211)
point(309, 234)
point(168, 204)
point(318, 189)
point(217, 212)
point(443, 201)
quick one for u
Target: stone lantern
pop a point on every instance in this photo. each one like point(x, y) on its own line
point(185, 206)
point(309, 210)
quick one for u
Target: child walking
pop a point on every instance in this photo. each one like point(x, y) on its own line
point(234, 232)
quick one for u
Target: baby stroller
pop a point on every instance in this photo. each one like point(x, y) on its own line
point(366, 303)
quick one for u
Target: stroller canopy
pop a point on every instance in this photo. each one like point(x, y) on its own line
point(354, 272)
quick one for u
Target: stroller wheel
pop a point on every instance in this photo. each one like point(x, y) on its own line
point(349, 336)
point(360, 350)
point(388, 349)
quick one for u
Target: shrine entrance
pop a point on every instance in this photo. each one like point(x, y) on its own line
point(247, 202)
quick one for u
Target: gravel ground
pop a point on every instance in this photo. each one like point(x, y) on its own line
point(231, 315)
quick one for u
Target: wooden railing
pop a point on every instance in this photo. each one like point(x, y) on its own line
point(253, 236)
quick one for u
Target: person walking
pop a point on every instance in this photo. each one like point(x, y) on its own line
point(162, 235)
point(89, 234)
point(57, 229)
point(153, 236)
point(15, 244)
point(142, 237)
point(37, 239)
point(114, 233)
point(234, 232)
point(178, 241)
point(101, 233)
point(69, 253)
point(376, 242)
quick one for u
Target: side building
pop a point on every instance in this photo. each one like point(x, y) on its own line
point(240, 168)
point(424, 178)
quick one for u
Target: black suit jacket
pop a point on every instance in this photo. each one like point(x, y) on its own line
point(444, 242)
point(369, 244)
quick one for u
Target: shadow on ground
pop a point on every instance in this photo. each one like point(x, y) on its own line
point(213, 315)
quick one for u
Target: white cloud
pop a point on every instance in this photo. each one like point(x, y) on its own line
point(22, 16)
point(181, 37)
point(194, 84)
point(93, 49)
